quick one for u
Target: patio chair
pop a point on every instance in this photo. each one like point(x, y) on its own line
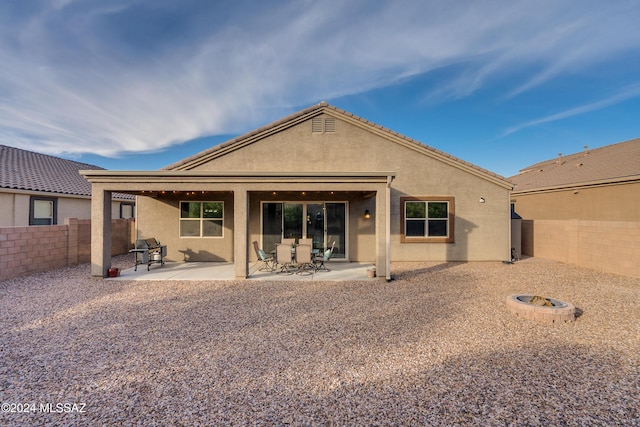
point(285, 259)
point(303, 260)
point(320, 259)
point(268, 263)
point(303, 241)
point(288, 241)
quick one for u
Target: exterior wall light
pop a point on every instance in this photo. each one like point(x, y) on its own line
point(367, 214)
point(481, 200)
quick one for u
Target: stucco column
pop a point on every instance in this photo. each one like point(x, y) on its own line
point(240, 233)
point(382, 231)
point(100, 232)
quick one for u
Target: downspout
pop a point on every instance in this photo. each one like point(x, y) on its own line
point(388, 228)
point(509, 256)
point(135, 219)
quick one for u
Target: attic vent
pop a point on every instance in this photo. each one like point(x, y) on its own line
point(323, 125)
point(330, 125)
point(316, 124)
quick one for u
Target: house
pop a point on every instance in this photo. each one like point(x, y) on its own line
point(600, 184)
point(583, 208)
point(37, 189)
point(322, 173)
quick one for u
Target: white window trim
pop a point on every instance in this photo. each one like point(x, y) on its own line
point(201, 219)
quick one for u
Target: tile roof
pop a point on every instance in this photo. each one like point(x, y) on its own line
point(617, 162)
point(27, 170)
point(314, 110)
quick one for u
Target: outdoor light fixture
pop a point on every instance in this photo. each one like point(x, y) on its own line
point(481, 200)
point(367, 214)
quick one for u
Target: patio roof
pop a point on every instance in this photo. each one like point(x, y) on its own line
point(144, 182)
point(128, 178)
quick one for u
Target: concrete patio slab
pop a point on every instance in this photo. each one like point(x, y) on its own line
point(225, 271)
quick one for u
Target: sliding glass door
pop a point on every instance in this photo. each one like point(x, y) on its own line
point(271, 225)
point(322, 222)
point(335, 229)
point(315, 225)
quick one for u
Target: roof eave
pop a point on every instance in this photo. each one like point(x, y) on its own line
point(237, 177)
point(580, 185)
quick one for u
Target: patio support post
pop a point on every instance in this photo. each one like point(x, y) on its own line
point(241, 233)
point(100, 232)
point(387, 236)
point(381, 232)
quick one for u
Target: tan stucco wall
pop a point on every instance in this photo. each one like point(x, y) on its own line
point(161, 221)
point(603, 203)
point(74, 208)
point(14, 208)
point(481, 229)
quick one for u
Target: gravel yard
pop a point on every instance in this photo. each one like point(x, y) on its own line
point(435, 346)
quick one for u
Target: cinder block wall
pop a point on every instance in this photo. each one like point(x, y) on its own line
point(29, 249)
point(611, 246)
point(25, 250)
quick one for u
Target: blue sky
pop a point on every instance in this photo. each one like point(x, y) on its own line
point(140, 84)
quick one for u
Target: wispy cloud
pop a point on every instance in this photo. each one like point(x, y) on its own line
point(627, 93)
point(116, 77)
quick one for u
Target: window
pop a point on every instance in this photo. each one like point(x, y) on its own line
point(43, 211)
point(201, 219)
point(427, 219)
point(126, 210)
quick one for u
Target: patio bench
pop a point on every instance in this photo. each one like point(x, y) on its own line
point(149, 251)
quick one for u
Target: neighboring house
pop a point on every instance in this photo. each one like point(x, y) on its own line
point(321, 173)
point(595, 184)
point(583, 208)
point(37, 189)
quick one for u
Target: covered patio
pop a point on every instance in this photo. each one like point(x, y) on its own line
point(244, 195)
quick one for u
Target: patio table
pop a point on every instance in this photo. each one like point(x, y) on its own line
point(314, 252)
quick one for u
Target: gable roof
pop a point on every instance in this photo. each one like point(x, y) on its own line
point(31, 171)
point(324, 108)
point(612, 163)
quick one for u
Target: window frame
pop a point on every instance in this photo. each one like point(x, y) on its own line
point(450, 238)
point(133, 210)
point(201, 219)
point(54, 208)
